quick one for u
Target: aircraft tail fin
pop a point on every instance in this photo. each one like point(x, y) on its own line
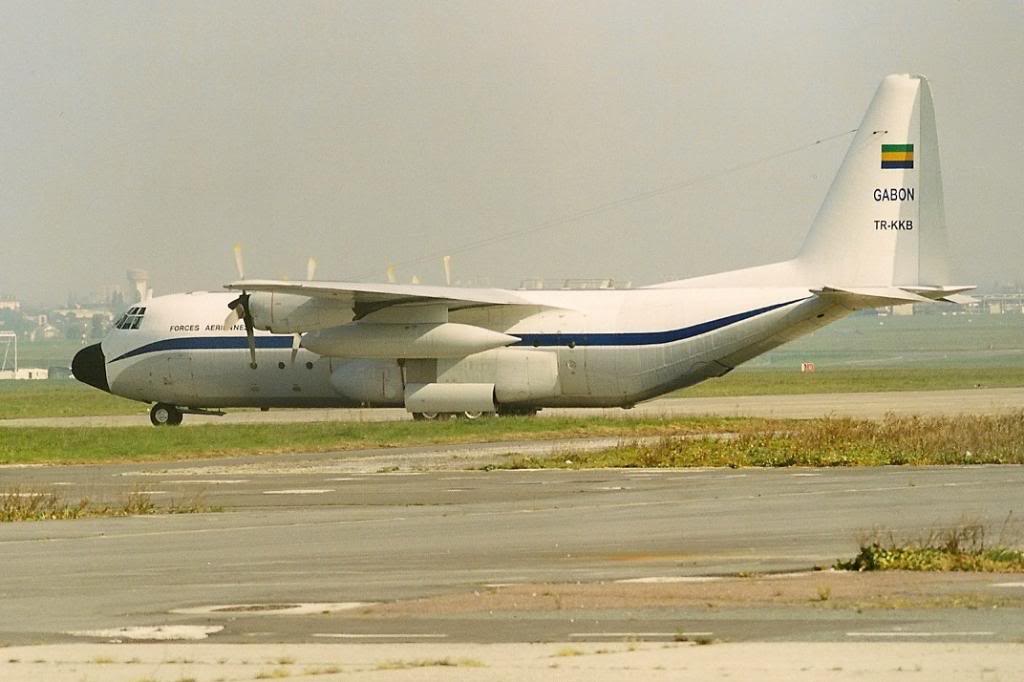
point(882, 223)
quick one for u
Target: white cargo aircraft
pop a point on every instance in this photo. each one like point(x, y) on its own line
point(879, 239)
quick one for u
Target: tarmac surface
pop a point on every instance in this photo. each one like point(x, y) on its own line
point(861, 405)
point(415, 563)
point(320, 546)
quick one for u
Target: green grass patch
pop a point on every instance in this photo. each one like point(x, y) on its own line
point(930, 340)
point(28, 399)
point(894, 440)
point(763, 381)
point(966, 547)
point(47, 353)
point(55, 445)
point(20, 505)
point(67, 398)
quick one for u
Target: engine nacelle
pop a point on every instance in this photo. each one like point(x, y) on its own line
point(293, 313)
point(449, 397)
point(408, 341)
point(374, 382)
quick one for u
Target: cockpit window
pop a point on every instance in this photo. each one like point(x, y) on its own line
point(131, 319)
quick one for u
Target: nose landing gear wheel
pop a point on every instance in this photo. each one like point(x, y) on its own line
point(163, 414)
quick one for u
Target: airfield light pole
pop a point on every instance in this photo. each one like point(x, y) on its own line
point(10, 336)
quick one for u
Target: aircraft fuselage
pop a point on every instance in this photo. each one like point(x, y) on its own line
point(576, 348)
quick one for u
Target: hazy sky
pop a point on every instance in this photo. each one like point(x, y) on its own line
point(158, 134)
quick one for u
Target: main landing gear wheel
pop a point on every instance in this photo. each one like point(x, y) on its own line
point(163, 414)
point(443, 416)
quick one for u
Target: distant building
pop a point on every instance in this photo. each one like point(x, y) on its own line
point(138, 286)
point(24, 373)
point(9, 304)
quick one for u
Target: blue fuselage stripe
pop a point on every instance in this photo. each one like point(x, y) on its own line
point(643, 338)
point(207, 343)
point(535, 340)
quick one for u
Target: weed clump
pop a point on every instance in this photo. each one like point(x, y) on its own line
point(965, 547)
point(21, 505)
point(826, 442)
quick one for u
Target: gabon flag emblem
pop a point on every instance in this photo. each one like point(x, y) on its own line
point(897, 156)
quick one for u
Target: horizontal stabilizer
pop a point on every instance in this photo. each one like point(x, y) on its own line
point(856, 298)
point(959, 299)
point(869, 297)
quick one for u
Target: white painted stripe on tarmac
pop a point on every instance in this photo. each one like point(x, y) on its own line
point(297, 609)
point(582, 635)
point(152, 632)
point(299, 491)
point(973, 633)
point(210, 481)
point(660, 579)
point(1007, 584)
point(381, 635)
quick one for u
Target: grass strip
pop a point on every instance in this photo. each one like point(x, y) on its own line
point(18, 505)
point(36, 399)
point(965, 547)
point(32, 399)
point(826, 442)
point(53, 445)
point(750, 381)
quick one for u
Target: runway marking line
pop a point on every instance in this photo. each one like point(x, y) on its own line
point(382, 635)
point(975, 633)
point(152, 632)
point(1007, 584)
point(661, 579)
point(581, 635)
point(291, 609)
point(299, 491)
point(210, 481)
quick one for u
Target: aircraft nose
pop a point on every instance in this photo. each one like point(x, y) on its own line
point(90, 367)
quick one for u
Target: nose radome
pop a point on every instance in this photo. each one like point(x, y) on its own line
point(90, 367)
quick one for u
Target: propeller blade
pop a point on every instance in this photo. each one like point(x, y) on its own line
point(296, 341)
point(238, 261)
point(310, 268)
point(448, 270)
point(232, 318)
point(250, 338)
point(240, 311)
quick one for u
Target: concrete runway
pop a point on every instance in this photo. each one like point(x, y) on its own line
point(860, 405)
point(315, 548)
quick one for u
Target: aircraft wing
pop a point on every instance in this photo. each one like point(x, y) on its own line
point(365, 298)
